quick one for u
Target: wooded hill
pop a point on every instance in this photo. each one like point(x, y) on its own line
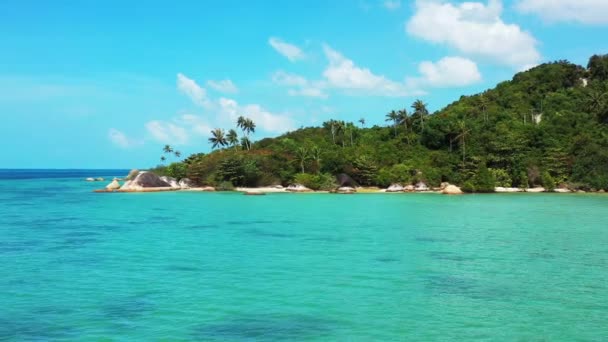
point(548, 126)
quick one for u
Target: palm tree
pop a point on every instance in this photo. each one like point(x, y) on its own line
point(249, 127)
point(333, 130)
point(162, 159)
point(394, 117)
point(362, 122)
point(232, 138)
point(403, 118)
point(245, 142)
point(463, 133)
point(351, 127)
point(218, 138)
point(302, 156)
point(240, 123)
point(177, 154)
point(341, 129)
point(167, 149)
point(315, 156)
point(420, 111)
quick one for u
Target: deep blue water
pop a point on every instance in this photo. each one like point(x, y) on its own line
point(81, 266)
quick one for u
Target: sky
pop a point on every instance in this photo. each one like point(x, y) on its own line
point(106, 84)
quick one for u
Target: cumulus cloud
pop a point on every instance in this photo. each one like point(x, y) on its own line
point(218, 112)
point(342, 73)
point(474, 29)
point(190, 88)
point(447, 72)
point(392, 5)
point(167, 132)
point(300, 86)
point(270, 122)
point(120, 139)
point(592, 12)
point(224, 86)
point(290, 51)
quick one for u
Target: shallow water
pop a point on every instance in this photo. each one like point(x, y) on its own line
point(226, 267)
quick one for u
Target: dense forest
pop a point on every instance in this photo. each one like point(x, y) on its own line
point(547, 127)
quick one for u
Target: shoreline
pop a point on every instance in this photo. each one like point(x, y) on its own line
point(363, 190)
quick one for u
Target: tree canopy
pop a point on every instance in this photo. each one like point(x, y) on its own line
point(547, 125)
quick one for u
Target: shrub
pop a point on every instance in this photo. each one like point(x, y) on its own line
point(483, 180)
point(323, 181)
point(502, 177)
point(548, 181)
point(225, 186)
point(468, 187)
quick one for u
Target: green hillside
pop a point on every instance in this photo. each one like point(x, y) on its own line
point(546, 127)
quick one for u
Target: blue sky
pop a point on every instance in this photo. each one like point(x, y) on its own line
point(103, 84)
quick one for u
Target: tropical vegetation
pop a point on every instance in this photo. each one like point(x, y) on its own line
point(548, 126)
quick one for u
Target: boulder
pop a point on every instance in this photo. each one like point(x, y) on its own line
point(346, 190)
point(132, 174)
point(114, 185)
point(172, 181)
point(500, 189)
point(99, 179)
point(145, 180)
point(562, 191)
point(185, 183)
point(581, 191)
point(409, 188)
point(421, 186)
point(444, 185)
point(395, 188)
point(451, 190)
point(297, 188)
point(536, 190)
point(90, 179)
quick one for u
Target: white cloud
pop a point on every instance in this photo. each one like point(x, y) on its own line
point(283, 78)
point(120, 139)
point(270, 122)
point(167, 132)
point(290, 51)
point(475, 29)
point(447, 72)
point(303, 87)
point(196, 124)
point(189, 87)
point(593, 12)
point(224, 86)
point(218, 112)
point(392, 5)
point(308, 92)
point(342, 73)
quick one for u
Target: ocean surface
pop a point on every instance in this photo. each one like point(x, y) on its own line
point(75, 265)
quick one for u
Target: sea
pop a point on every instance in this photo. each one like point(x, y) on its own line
point(185, 266)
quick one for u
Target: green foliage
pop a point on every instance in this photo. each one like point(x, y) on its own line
point(225, 186)
point(502, 177)
point(543, 119)
point(321, 181)
point(468, 187)
point(548, 181)
point(364, 170)
point(398, 173)
point(483, 181)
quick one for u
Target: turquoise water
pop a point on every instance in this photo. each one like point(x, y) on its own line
point(227, 267)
